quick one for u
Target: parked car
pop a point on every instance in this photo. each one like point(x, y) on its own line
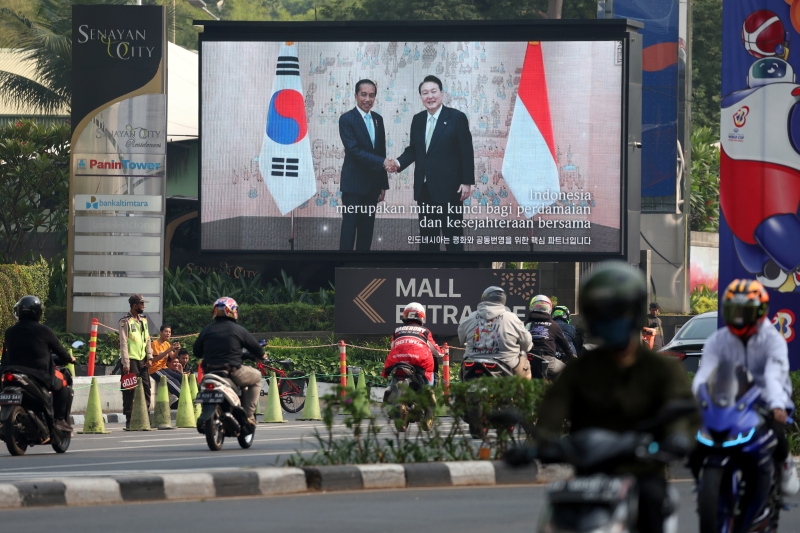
point(688, 343)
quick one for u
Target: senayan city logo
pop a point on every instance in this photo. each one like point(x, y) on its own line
point(120, 43)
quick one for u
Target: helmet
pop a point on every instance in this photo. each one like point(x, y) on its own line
point(494, 294)
point(226, 307)
point(744, 305)
point(613, 302)
point(414, 312)
point(541, 303)
point(28, 308)
point(561, 311)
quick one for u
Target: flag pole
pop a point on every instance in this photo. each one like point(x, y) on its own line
point(291, 239)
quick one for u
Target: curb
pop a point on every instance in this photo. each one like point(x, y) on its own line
point(109, 418)
point(257, 482)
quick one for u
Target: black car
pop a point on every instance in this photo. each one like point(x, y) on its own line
point(688, 343)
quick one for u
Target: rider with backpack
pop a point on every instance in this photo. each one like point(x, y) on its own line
point(546, 335)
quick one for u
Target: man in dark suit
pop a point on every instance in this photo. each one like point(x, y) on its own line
point(364, 179)
point(441, 147)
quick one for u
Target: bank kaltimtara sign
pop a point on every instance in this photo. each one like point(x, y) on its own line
point(119, 120)
point(371, 300)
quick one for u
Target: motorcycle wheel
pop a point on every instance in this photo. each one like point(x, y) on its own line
point(12, 430)
point(245, 441)
point(215, 436)
point(711, 501)
point(293, 392)
point(63, 444)
point(397, 411)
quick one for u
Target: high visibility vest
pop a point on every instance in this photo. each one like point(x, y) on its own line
point(138, 336)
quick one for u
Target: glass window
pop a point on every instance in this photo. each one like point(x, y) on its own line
point(698, 328)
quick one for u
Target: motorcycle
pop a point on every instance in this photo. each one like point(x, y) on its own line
point(595, 500)
point(475, 368)
point(739, 482)
point(404, 377)
point(222, 413)
point(26, 414)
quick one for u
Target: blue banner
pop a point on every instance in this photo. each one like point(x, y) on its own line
point(760, 155)
point(660, 65)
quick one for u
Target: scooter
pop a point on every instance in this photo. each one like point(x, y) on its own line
point(404, 377)
point(595, 500)
point(26, 414)
point(739, 484)
point(222, 413)
point(472, 369)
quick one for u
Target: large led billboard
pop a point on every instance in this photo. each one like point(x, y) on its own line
point(491, 143)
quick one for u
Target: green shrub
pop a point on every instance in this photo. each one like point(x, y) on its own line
point(17, 281)
point(186, 319)
point(703, 300)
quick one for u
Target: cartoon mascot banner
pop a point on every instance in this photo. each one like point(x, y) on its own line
point(760, 155)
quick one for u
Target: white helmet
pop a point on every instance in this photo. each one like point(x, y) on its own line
point(415, 312)
point(542, 304)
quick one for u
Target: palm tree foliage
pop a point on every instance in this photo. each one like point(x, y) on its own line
point(43, 36)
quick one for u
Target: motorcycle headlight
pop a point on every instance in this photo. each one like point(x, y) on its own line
point(704, 437)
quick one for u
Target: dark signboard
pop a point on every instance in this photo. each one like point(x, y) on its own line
point(371, 300)
point(115, 51)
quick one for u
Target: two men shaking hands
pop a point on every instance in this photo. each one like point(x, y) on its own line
point(440, 147)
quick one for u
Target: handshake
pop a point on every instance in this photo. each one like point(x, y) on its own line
point(391, 165)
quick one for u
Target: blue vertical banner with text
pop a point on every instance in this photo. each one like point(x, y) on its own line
point(760, 155)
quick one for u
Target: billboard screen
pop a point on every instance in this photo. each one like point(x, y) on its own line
point(374, 146)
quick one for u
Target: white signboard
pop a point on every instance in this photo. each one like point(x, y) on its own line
point(117, 202)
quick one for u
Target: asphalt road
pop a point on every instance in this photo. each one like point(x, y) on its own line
point(462, 510)
point(178, 449)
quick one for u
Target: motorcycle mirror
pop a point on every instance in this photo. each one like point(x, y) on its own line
point(672, 411)
point(517, 457)
point(77, 344)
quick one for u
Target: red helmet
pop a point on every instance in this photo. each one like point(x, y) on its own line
point(226, 307)
point(414, 312)
point(744, 305)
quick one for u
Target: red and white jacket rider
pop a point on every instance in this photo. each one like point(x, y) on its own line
point(414, 345)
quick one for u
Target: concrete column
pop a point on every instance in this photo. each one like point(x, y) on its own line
point(562, 281)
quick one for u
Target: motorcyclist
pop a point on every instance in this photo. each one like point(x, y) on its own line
point(621, 384)
point(27, 348)
point(494, 330)
point(220, 346)
point(561, 316)
point(547, 337)
point(749, 339)
point(412, 343)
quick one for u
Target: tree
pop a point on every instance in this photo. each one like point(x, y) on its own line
point(706, 62)
point(43, 36)
point(34, 185)
point(704, 195)
point(456, 9)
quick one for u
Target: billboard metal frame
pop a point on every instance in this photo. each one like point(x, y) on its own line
point(623, 30)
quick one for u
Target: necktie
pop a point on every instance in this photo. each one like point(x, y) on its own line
point(429, 134)
point(370, 129)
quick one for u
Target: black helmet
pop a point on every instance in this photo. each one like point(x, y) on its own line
point(613, 302)
point(494, 294)
point(28, 308)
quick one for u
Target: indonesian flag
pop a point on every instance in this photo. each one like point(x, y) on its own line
point(285, 160)
point(529, 165)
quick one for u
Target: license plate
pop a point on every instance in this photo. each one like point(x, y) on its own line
point(10, 398)
point(210, 397)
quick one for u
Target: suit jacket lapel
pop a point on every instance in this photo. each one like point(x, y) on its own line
point(441, 126)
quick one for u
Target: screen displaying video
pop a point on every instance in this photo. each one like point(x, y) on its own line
point(412, 146)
